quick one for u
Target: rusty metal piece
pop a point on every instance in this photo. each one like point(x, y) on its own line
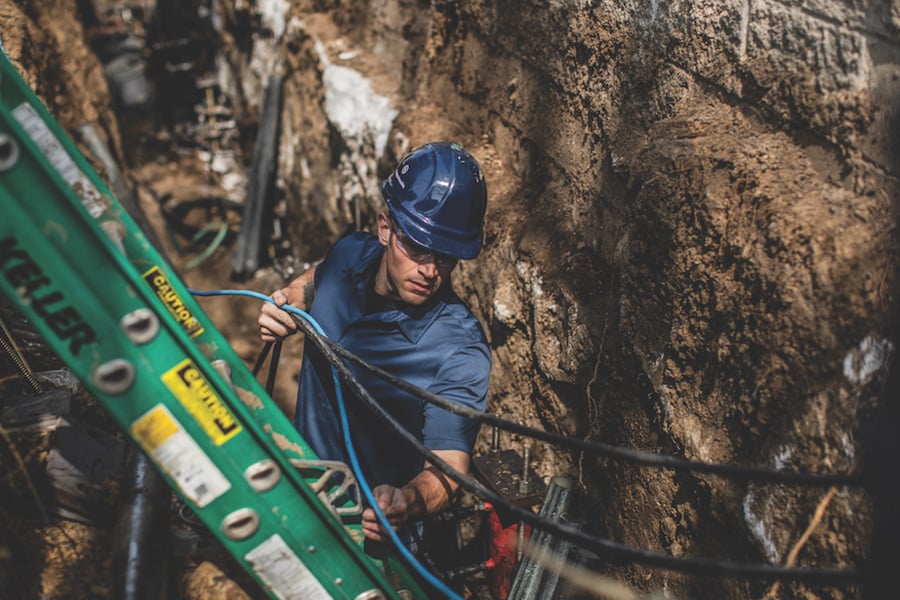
point(502, 472)
point(525, 480)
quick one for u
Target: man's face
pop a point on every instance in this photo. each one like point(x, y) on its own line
point(408, 272)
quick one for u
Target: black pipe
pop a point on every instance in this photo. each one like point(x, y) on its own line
point(256, 226)
point(141, 542)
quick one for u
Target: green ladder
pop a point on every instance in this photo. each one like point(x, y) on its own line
point(78, 267)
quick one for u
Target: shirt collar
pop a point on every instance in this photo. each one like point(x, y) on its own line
point(412, 320)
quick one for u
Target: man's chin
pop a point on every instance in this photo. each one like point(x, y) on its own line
point(416, 297)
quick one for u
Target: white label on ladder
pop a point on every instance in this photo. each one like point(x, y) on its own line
point(176, 452)
point(283, 572)
point(41, 135)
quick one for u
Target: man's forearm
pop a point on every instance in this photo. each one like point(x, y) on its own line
point(431, 489)
point(301, 291)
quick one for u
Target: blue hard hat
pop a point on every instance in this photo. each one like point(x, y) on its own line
point(437, 196)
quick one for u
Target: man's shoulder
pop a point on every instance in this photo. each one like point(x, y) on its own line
point(458, 346)
point(352, 249)
point(358, 241)
point(456, 318)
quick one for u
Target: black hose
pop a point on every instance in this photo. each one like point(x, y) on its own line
point(741, 472)
point(273, 368)
point(615, 552)
point(882, 446)
point(261, 358)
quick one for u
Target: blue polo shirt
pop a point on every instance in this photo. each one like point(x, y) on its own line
point(438, 346)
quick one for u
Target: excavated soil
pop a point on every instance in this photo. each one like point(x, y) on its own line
point(688, 274)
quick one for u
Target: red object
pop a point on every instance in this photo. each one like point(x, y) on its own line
point(503, 555)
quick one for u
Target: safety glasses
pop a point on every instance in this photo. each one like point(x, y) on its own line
point(417, 253)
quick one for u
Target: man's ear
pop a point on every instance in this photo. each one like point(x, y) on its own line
point(384, 229)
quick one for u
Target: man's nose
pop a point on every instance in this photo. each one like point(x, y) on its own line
point(428, 269)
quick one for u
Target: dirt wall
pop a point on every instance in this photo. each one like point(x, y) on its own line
point(691, 233)
point(46, 42)
point(690, 245)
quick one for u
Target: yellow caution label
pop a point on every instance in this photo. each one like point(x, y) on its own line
point(154, 428)
point(163, 289)
point(195, 393)
point(179, 456)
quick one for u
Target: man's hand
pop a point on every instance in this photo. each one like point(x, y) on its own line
point(393, 503)
point(276, 324)
point(424, 495)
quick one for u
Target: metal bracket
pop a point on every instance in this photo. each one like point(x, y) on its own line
point(334, 472)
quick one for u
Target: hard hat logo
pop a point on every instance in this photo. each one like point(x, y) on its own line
point(401, 171)
point(437, 196)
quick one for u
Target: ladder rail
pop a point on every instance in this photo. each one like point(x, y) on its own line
point(152, 399)
point(163, 388)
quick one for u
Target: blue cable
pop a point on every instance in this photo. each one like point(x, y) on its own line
point(345, 427)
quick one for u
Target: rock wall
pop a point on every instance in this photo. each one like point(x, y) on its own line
point(690, 245)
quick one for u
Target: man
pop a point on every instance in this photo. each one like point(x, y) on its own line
point(386, 297)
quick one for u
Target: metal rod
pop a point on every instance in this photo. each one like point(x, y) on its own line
point(495, 437)
point(8, 343)
point(524, 482)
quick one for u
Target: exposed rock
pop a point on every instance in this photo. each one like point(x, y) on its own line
point(691, 238)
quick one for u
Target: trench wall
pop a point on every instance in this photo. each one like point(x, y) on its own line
point(691, 241)
point(690, 244)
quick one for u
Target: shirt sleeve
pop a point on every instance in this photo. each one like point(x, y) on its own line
point(463, 378)
point(327, 262)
